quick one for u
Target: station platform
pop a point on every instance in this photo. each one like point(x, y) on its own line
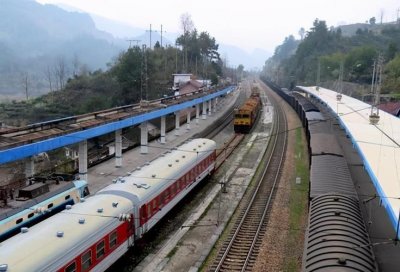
point(102, 175)
point(377, 145)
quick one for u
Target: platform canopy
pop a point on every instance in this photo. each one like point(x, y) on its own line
point(378, 145)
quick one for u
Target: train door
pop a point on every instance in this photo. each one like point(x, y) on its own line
point(143, 218)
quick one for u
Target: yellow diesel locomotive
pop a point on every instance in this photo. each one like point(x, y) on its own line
point(246, 115)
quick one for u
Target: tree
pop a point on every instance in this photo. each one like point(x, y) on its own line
point(127, 70)
point(372, 21)
point(240, 70)
point(302, 32)
point(392, 71)
point(187, 24)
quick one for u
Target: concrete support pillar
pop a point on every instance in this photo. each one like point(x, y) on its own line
point(188, 120)
point(214, 105)
point(204, 113)
point(209, 107)
point(83, 160)
point(197, 113)
point(177, 122)
point(162, 140)
point(29, 168)
point(144, 138)
point(118, 148)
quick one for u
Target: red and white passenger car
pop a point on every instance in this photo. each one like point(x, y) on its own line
point(93, 234)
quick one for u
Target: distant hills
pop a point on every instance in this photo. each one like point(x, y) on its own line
point(36, 38)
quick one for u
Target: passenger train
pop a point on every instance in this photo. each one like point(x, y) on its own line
point(92, 235)
point(37, 209)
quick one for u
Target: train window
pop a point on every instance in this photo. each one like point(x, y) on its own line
point(238, 116)
point(31, 215)
point(71, 267)
point(67, 197)
point(155, 204)
point(246, 116)
point(19, 221)
point(86, 260)
point(86, 192)
point(50, 205)
point(149, 210)
point(100, 250)
point(113, 239)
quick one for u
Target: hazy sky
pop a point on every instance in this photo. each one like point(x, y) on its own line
point(248, 24)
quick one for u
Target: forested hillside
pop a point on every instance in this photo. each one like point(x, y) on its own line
point(296, 62)
point(135, 74)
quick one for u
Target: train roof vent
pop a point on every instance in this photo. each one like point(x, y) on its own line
point(167, 152)
point(68, 207)
point(177, 160)
point(170, 164)
point(204, 143)
point(199, 146)
point(183, 156)
point(162, 155)
point(153, 176)
point(82, 199)
point(3, 267)
point(129, 173)
point(174, 148)
point(100, 210)
point(114, 180)
point(141, 185)
point(138, 168)
point(60, 234)
point(194, 149)
point(24, 230)
point(81, 221)
point(115, 204)
point(147, 163)
point(122, 180)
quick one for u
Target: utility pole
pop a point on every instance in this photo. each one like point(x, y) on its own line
point(162, 35)
point(398, 18)
point(150, 35)
point(143, 86)
point(376, 89)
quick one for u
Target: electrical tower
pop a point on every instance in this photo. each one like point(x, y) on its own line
point(130, 42)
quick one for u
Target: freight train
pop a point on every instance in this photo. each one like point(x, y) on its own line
point(335, 225)
point(92, 235)
point(246, 115)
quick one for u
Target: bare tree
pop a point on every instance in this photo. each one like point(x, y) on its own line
point(49, 77)
point(75, 65)
point(302, 32)
point(60, 72)
point(25, 83)
point(187, 24)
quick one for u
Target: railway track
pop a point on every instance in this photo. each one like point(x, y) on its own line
point(240, 249)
